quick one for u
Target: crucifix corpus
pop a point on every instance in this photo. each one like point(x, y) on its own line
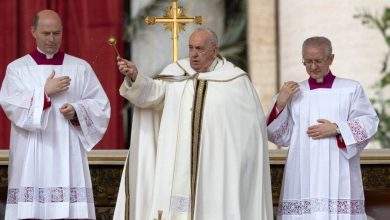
point(174, 20)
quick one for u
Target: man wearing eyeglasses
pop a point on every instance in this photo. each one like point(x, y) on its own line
point(326, 121)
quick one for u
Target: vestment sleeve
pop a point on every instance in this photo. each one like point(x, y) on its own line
point(280, 126)
point(361, 125)
point(93, 111)
point(144, 92)
point(23, 106)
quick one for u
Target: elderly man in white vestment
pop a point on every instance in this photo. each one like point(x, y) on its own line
point(326, 121)
point(58, 111)
point(199, 145)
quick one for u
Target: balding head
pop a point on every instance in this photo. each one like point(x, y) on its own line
point(209, 34)
point(203, 46)
point(47, 31)
point(44, 14)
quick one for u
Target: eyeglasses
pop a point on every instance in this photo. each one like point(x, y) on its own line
point(316, 62)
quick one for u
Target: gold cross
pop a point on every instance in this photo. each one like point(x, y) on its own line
point(174, 20)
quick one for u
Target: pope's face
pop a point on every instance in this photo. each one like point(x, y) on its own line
point(48, 34)
point(202, 51)
point(317, 61)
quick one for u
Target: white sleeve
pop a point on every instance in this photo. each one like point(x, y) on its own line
point(23, 107)
point(361, 126)
point(144, 92)
point(93, 111)
point(279, 130)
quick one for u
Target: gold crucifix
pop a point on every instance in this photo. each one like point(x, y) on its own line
point(174, 20)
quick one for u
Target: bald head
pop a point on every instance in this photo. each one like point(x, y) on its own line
point(47, 31)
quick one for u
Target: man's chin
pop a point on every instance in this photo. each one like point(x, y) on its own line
point(195, 67)
point(316, 75)
point(50, 50)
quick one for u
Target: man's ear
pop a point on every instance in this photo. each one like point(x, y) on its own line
point(32, 31)
point(331, 57)
point(216, 51)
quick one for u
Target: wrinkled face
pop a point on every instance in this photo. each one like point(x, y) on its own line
point(48, 34)
point(317, 61)
point(202, 51)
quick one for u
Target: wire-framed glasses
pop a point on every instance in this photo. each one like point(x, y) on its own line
point(317, 62)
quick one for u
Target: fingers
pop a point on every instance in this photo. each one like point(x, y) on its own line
point(324, 129)
point(291, 86)
point(62, 83)
point(64, 80)
point(56, 85)
point(315, 135)
point(126, 67)
point(314, 132)
point(121, 62)
point(65, 108)
point(62, 86)
point(323, 121)
point(67, 111)
point(287, 91)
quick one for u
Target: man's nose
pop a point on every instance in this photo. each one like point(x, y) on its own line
point(313, 65)
point(51, 37)
point(193, 53)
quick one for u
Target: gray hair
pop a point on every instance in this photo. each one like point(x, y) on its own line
point(35, 21)
point(213, 38)
point(317, 42)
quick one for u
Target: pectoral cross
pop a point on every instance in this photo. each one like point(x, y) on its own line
point(174, 20)
point(159, 215)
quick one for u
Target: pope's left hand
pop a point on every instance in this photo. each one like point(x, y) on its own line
point(324, 129)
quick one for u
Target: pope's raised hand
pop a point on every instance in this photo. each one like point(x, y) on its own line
point(56, 85)
point(127, 68)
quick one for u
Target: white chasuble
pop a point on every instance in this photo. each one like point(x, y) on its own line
point(48, 169)
point(232, 176)
point(321, 180)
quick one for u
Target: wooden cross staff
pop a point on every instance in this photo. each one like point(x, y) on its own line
point(174, 20)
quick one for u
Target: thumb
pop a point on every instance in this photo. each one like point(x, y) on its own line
point(53, 73)
point(64, 106)
point(322, 121)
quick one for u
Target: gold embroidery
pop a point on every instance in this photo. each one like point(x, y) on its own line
point(197, 115)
